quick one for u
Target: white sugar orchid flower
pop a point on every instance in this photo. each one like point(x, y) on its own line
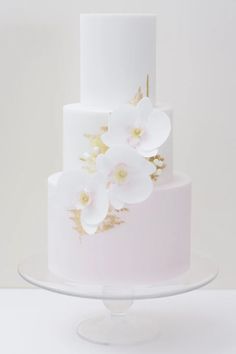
point(87, 193)
point(142, 127)
point(128, 175)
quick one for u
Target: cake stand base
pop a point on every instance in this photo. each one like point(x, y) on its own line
point(119, 326)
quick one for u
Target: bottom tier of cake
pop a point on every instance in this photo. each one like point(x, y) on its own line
point(149, 242)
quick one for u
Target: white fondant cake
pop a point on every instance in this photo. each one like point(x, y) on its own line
point(117, 52)
point(116, 213)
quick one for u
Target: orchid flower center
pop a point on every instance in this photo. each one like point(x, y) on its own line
point(120, 174)
point(84, 198)
point(136, 133)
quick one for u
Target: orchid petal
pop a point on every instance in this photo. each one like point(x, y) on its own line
point(70, 185)
point(104, 164)
point(115, 202)
point(145, 153)
point(137, 190)
point(96, 212)
point(119, 124)
point(123, 154)
point(158, 129)
point(89, 229)
point(145, 108)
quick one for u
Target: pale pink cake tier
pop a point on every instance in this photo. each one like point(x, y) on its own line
point(153, 243)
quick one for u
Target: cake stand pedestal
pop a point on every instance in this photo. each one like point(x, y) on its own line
point(119, 326)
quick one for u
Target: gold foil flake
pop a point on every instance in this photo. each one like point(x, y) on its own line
point(112, 219)
point(139, 94)
point(104, 129)
point(158, 162)
point(137, 97)
point(97, 147)
point(95, 141)
point(89, 163)
point(75, 217)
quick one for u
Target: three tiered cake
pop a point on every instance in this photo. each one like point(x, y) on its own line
point(116, 213)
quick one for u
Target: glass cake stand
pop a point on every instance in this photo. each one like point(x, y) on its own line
point(119, 326)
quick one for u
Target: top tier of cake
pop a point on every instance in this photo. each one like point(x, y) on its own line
point(117, 53)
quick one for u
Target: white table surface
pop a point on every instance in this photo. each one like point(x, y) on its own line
point(34, 321)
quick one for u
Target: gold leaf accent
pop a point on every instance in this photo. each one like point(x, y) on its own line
point(139, 94)
point(97, 147)
point(75, 216)
point(104, 128)
point(158, 171)
point(137, 97)
point(147, 86)
point(112, 219)
point(96, 141)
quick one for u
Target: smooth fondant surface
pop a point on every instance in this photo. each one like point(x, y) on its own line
point(117, 54)
point(153, 244)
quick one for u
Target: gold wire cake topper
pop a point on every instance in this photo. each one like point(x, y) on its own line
point(114, 217)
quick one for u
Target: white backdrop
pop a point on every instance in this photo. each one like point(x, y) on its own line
point(39, 72)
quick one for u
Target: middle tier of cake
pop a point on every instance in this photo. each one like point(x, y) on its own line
point(83, 127)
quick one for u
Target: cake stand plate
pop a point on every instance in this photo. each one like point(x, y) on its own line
point(119, 327)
